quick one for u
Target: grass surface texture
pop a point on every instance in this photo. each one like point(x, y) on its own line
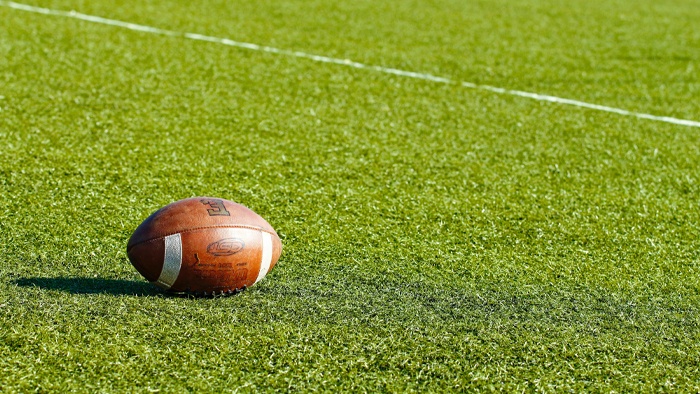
point(437, 238)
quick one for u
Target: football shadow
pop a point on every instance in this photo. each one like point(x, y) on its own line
point(78, 285)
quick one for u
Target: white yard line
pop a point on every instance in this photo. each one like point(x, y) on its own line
point(344, 62)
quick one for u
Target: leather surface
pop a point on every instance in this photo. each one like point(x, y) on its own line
point(194, 213)
point(221, 244)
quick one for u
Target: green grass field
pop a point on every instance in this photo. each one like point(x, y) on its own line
point(436, 238)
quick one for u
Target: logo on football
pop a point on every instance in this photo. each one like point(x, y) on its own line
point(242, 246)
point(225, 247)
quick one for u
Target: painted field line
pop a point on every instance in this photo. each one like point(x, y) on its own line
point(344, 62)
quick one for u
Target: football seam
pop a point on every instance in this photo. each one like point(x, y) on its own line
point(201, 228)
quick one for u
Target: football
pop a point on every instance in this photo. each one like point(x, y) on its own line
point(204, 246)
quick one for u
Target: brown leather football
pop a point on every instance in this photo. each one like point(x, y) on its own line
point(204, 245)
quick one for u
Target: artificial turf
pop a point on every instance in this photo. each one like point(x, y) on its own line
point(436, 238)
